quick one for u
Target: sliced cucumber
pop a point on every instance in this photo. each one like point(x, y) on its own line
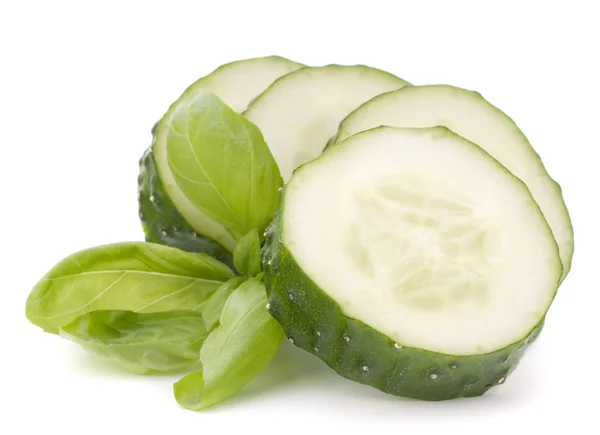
point(468, 114)
point(236, 83)
point(411, 261)
point(299, 112)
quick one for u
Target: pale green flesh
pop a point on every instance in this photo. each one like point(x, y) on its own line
point(424, 237)
point(299, 112)
point(235, 84)
point(469, 115)
point(440, 253)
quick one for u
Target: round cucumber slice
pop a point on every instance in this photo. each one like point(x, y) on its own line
point(469, 115)
point(166, 217)
point(299, 112)
point(412, 261)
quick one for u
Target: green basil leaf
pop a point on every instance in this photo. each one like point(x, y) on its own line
point(216, 168)
point(161, 221)
point(212, 309)
point(131, 276)
point(245, 341)
point(140, 342)
point(246, 256)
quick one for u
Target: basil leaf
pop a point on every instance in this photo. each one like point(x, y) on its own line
point(246, 256)
point(132, 276)
point(245, 341)
point(216, 168)
point(140, 342)
point(161, 221)
point(211, 311)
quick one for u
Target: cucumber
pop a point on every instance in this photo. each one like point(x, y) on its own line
point(410, 260)
point(236, 83)
point(468, 114)
point(300, 111)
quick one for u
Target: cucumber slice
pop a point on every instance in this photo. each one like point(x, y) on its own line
point(468, 114)
point(299, 112)
point(411, 261)
point(236, 83)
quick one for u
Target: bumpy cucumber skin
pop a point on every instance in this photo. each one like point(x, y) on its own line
point(315, 322)
point(161, 221)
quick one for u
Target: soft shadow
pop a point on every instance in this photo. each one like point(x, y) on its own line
point(296, 369)
point(292, 366)
point(86, 363)
point(310, 381)
point(89, 365)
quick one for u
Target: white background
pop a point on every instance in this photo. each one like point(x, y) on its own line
point(81, 84)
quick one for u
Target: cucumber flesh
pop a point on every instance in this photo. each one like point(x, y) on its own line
point(469, 115)
point(166, 216)
point(299, 112)
point(413, 262)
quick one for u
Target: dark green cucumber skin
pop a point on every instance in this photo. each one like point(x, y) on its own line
point(315, 322)
point(161, 221)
